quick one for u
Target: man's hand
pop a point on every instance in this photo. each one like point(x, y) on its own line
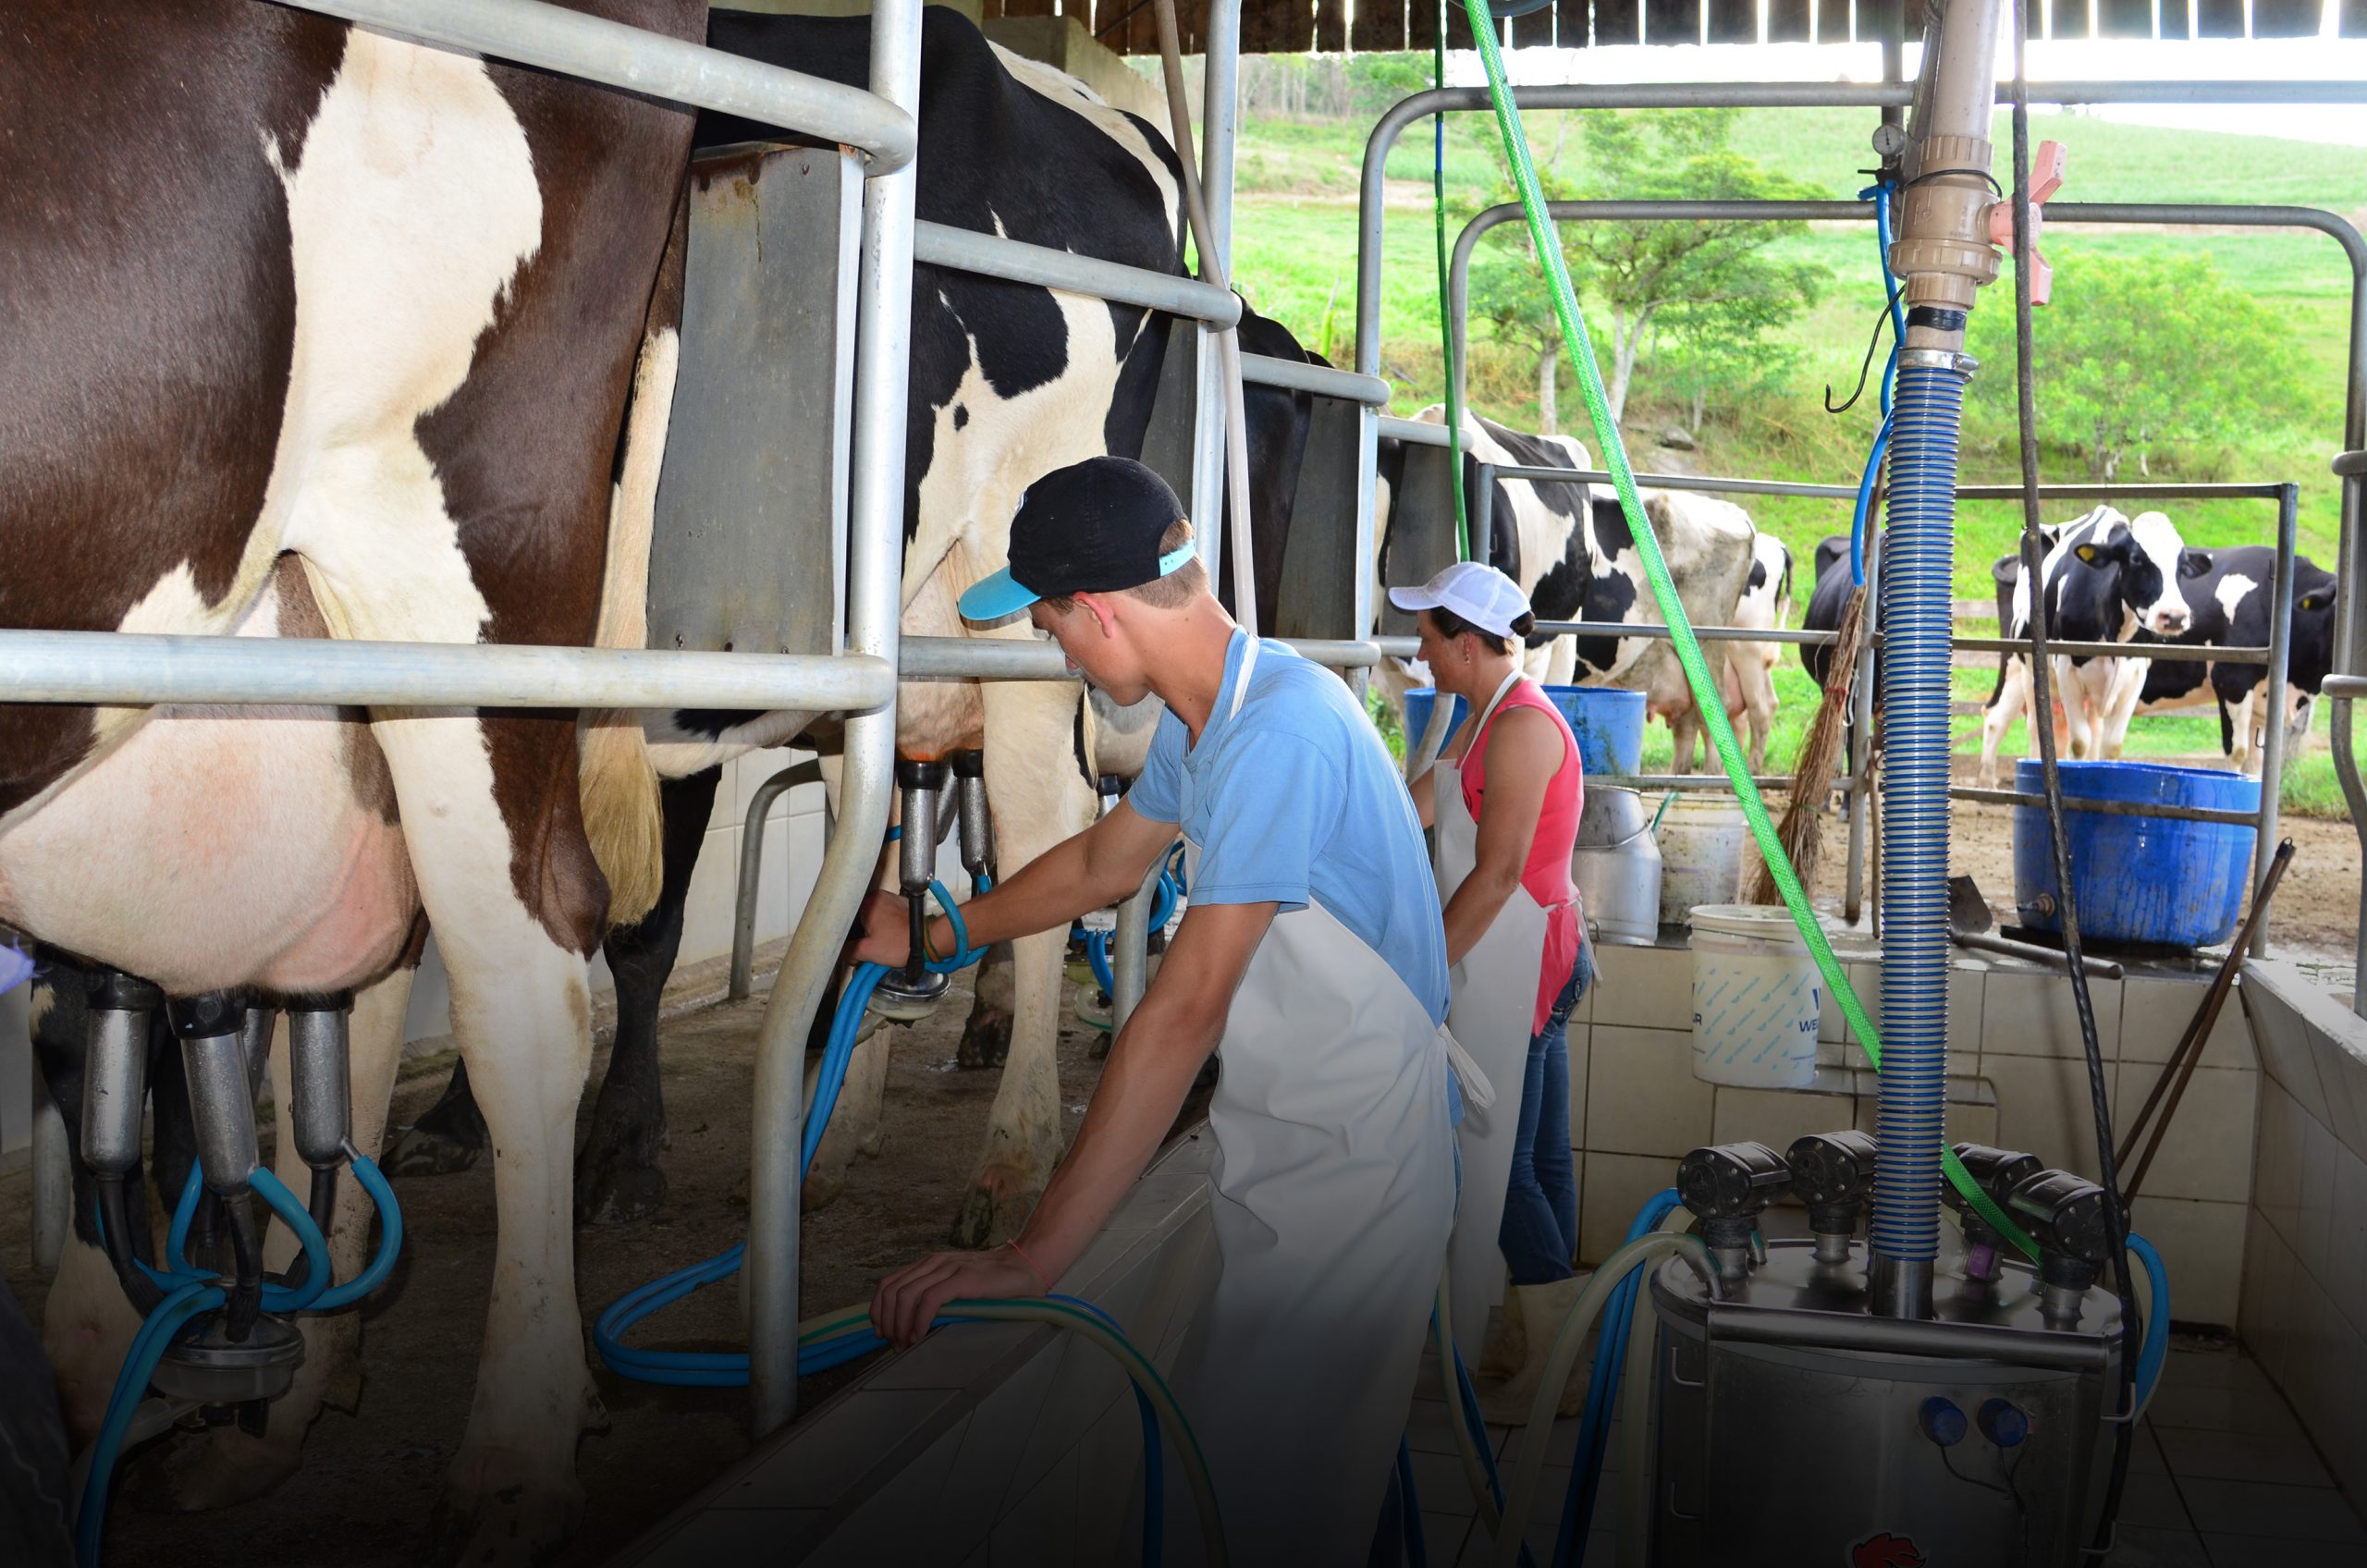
point(910, 1299)
point(884, 933)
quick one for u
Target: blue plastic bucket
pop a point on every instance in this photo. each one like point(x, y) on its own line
point(1607, 721)
point(2139, 878)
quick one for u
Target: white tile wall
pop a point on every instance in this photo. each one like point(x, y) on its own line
point(1641, 1094)
point(1611, 1187)
point(2207, 1152)
point(2200, 1243)
point(2304, 1287)
point(1645, 988)
point(2155, 1011)
point(2027, 1011)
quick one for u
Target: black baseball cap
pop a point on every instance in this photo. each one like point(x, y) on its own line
point(1092, 527)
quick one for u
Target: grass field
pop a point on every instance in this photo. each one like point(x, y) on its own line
point(1296, 259)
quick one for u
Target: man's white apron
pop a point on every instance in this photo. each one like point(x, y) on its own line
point(1334, 1191)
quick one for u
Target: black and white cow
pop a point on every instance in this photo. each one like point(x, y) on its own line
point(2107, 577)
point(1007, 381)
point(2230, 606)
point(1747, 682)
point(1569, 548)
point(338, 343)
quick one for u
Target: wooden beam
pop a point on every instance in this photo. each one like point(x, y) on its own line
point(2285, 19)
point(1378, 27)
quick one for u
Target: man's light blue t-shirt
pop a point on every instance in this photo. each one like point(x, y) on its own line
point(1295, 800)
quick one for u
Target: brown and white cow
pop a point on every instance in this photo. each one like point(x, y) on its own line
point(314, 331)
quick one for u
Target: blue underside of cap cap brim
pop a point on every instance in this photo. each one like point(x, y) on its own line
point(992, 598)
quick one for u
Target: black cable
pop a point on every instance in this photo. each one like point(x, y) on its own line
point(2043, 717)
point(1948, 1463)
point(1865, 366)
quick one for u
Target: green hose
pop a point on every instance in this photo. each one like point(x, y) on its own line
point(1613, 457)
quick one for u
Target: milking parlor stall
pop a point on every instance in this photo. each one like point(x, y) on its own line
point(488, 485)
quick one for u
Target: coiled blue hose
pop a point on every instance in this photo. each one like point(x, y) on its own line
point(190, 1294)
point(1919, 568)
point(1880, 192)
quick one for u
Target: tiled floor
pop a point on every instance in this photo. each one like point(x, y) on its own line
point(2222, 1476)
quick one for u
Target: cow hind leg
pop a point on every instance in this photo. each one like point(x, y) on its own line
point(230, 1465)
point(497, 838)
point(447, 1138)
point(1040, 798)
point(617, 1174)
point(986, 1039)
point(855, 1126)
point(2006, 703)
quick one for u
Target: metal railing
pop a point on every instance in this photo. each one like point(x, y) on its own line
point(2355, 419)
point(1857, 781)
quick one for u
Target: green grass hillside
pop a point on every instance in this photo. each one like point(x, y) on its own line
point(1297, 261)
point(1297, 257)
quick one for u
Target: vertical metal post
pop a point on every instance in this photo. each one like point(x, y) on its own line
point(1220, 119)
point(1130, 950)
point(1361, 605)
point(1894, 29)
point(1481, 506)
point(2280, 657)
point(874, 578)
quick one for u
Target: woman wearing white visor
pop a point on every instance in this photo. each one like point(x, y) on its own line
point(1505, 798)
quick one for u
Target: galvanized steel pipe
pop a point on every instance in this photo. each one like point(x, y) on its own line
point(138, 669)
point(615, 54)
point(991, 255)
point(874, 581)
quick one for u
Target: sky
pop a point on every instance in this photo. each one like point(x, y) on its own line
point(2060, 60)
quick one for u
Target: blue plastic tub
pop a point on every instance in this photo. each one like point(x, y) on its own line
point(2139, 878)
point(1607, 721)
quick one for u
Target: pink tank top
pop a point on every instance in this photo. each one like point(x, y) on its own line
point(1547, 874)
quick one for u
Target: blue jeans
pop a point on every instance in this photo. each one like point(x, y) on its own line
point(1540, 1233)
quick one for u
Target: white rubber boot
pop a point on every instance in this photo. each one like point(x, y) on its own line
point(1542, 1309)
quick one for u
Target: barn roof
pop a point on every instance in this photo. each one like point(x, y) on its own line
point(1282, 26)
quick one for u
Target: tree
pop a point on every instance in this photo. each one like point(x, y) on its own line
point(2136, 354)
point(1696, 279)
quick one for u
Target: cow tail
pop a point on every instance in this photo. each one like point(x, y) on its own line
point(622, 814)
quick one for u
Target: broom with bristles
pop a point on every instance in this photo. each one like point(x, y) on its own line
point(1803, 826)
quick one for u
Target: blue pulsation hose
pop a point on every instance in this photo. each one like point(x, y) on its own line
point(854, 1338)
point(190, 1294)
point(2154, 1349)
point(1163, 899)
point(1880, 192)
point(1602, 1393)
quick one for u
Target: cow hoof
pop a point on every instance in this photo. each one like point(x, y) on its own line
point(615, 1188)
point(491, 1518)
point(422, 1151)
point(220, 1468)
point(986, 1040)
point(821, 1189)
point(994, 1208)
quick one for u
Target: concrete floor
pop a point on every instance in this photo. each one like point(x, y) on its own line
point(2222, 1476)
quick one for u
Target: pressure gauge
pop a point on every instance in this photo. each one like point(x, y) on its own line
point(1890, 141)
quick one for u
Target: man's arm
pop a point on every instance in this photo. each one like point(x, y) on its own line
point(1151, 1068)
point(1089, 871)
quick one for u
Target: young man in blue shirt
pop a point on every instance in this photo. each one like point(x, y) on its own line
point(1311, 961)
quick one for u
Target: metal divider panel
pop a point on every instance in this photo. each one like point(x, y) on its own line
point(1167, 444)
point(752, 498)
point(1421, 530)
point(1319, 560)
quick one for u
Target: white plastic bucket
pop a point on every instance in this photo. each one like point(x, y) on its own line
point(1701, 838)
point(1757, 997)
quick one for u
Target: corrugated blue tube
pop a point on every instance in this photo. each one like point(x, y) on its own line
point(1918, 566)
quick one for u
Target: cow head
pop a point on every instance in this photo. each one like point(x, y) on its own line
point(2313, 625)
point(2148, 561)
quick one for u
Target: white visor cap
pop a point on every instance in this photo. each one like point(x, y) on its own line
point(1475, 592)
